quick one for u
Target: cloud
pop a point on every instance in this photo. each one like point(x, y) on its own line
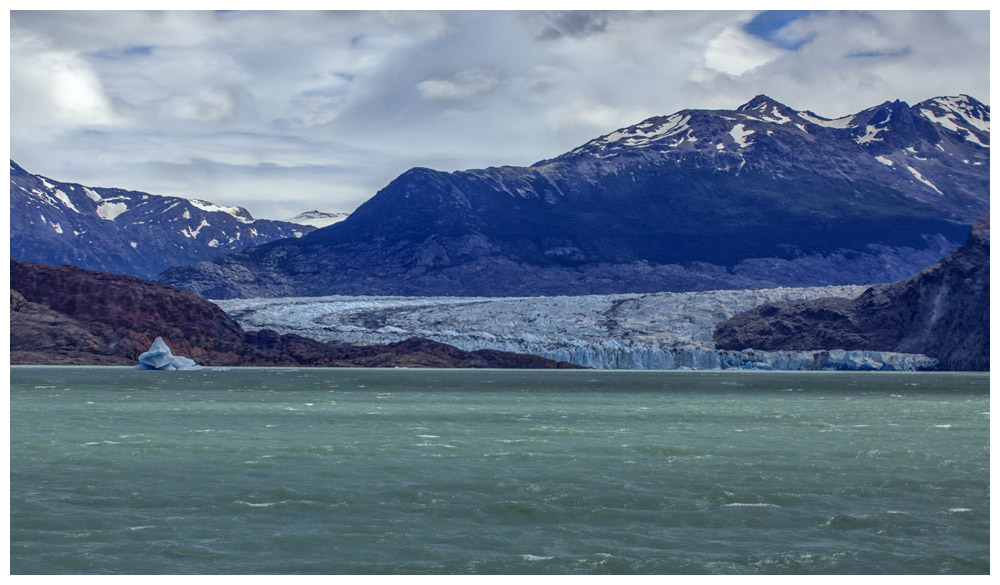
point(56, 91)
point(573, 23)
point(336, 104)
point(207, 105)
point(735, 52)
point(463, 84)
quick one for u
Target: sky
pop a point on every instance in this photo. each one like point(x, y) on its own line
point(283, 112)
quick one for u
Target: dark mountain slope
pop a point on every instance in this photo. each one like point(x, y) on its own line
point(942, 312)
point(128, 232)
point(760, 196)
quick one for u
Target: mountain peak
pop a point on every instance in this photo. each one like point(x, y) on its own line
point(317, 218)
point(962, 114)
point(761, 103)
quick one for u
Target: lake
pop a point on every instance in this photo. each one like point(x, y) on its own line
point(396, 471)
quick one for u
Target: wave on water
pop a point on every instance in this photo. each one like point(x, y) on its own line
point(536, 558)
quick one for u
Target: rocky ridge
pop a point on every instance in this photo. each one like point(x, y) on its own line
point(128, 232)
point(943, 312)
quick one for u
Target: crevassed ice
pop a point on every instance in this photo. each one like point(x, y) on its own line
point(624, 331)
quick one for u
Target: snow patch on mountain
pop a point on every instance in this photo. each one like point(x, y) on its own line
point(740, 134)
point(238, 212)
point(962, 107)
point(193, 233)
point(109, 210)
point(921, 178)
point(318, 218)
point(640, 135)
point(844, 122)
point(65, 200)
point(871, 135)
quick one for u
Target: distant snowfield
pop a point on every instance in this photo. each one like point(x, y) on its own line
point(627, 331)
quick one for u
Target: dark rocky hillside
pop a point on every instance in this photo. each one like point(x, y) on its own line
point(68, 315)
point(942, 312)
point(127, 232)
point(757, 197)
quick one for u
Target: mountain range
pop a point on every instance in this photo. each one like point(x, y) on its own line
point(127, 232)
point(756, 197)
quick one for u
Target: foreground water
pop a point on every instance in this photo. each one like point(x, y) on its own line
point(459, 471)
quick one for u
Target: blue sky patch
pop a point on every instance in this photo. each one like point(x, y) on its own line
point(125, 52)
point(881, 53)
point(767, 24)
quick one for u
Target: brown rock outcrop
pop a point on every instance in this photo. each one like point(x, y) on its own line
point(942, 312)
point(68, 315)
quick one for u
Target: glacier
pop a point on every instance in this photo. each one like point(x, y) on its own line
point(159, 357)
point(654, 331)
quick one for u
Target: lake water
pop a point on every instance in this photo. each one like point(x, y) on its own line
point(254, 470)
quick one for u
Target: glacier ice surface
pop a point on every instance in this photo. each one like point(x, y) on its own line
point(651, 331)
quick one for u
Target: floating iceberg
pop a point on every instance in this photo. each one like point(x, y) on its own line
point(159, 357)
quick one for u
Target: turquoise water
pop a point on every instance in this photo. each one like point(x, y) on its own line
point(487, 471)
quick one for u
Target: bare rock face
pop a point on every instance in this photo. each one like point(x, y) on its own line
point(68, 315)
point(942, 312)
point(40, 335)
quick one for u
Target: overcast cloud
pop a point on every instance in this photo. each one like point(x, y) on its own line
point(282, 112)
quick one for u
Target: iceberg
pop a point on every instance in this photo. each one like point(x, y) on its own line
point(159, 357)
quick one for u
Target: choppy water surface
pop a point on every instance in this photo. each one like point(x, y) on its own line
point(461, 471)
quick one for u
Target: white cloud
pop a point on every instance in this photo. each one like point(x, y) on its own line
point(207, 105)
point(463, 84)
point(56, 91)
point(736, 52)
point(328, 107)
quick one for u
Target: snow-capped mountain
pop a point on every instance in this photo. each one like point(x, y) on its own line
point(928, 148)
point(756, 197)
point(128, 232)
point(317, 218)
